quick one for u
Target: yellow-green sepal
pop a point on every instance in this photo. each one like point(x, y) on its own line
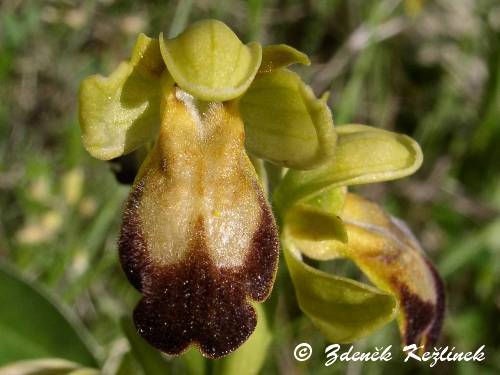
point(146, 56)
point(277, 56)
point(367, 154)
point(285, 123)
point(363, 154)
point(342, 309)
point(208, 61)
point(121, 112)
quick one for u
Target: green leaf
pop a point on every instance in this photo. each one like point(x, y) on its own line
point(149, 358)
point(280, 56)
point(343, 310)
point(33, 326)
point(363, 155)
point(285, 123)
point(209, 61)
point(46, 366)
point(121, 112)
point(250, 357)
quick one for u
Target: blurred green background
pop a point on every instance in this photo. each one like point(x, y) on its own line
point(429, 69)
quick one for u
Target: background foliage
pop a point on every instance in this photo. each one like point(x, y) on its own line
point(429, 69)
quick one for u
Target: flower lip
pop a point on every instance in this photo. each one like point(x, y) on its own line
point(198, 238)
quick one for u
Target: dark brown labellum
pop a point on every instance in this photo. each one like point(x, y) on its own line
point(198, 238)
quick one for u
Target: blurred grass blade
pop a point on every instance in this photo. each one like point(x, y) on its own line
point(149, 358)
point(33, 326)
point(181, 17)
point(363, 155)
point(343, 310)
point(46, 366)
point(93, 240)
point(468, 248)
point(129, 365)
point(254, 24)
point(250, 357)
point(84, 371)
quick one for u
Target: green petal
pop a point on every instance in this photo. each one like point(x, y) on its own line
point(363, 154)
point(209, 61)
point(343, 310)
point(285, 123)
point(280, 56)
point(119, 113)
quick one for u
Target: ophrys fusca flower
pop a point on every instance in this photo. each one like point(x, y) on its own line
point(199, 239)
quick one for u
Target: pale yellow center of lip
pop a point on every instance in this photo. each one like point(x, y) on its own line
point(198, 172)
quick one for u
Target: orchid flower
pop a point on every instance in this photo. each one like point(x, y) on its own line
point(199, 239)
point(322, 221)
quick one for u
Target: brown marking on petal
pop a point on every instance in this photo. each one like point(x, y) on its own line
point(435, 328)
point(132, 244)
point(194, 302)
point(418, 315)
point(423, 319)
point(261, 263)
